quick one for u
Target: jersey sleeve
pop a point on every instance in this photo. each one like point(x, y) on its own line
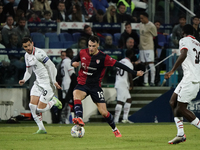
point(153, 30)
point(42, 56)
point(183, 44)
point(109, 61)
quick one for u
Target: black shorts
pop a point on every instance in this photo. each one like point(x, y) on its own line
point(95, 92)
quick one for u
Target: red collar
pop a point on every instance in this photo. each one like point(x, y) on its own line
point(191, 36)
point(33, 51)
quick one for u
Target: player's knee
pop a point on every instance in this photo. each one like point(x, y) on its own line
point(171, 103)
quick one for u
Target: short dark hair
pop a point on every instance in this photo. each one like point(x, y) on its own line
point(94, 39)
point(128, 23)
point(22, 19)
point(120, 3)
point(157, 21)
point(129, 52)
point(188, 29)
point(26, 39)
point(47, 12)
point(195, 17)
point(86, 26)
point(182, 16)
point(69, 50)
point(144, 14)
point(82, 38)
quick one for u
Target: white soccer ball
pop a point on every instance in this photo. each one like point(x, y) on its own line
point(77, 131)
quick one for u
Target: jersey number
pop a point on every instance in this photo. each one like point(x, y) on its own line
point(120, 72)
point(197, 56)
point(100, 94)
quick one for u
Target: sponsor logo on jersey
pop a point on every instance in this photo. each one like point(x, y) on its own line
point(87, 73)
point(97, 61)
point(84, 66)
point(84, 58)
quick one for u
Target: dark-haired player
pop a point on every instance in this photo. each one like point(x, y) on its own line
point(42, 95)
point(189, 86)
point(93, 65)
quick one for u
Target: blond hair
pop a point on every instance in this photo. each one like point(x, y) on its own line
point(109, 17)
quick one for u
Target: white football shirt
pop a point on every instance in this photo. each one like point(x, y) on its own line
point(36, 60)
point(66, 70)
point(122, 75)
point(191, 64)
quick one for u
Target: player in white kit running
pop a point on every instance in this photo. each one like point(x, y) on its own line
point(189, 86)
point(42, 95)
point(124, 83)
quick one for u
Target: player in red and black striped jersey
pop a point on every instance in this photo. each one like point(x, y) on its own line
point(93, 65)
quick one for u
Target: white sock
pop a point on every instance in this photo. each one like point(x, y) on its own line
point(196, 123)
point(126, 110)
point(153, 72)
point(146, 75)
point(118, 110)
point(38, 119)
point(179, 125)
point(49, 105)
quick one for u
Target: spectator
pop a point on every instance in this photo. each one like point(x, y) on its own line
point(128, 33)
point(60, 15)
point(8, 8)
point(13, 41)
point(47, 18)
point(110, 16)
point(195, 24)
point(177, 31)
point(109, 43)
point(2, 17)
point(100, 4)
point(121, 15)
point(19, 14)
point(34, 18)
point(82, 43)
point(74, 2)
point(4, 60)
point(76, 15)
point(7, 29)
point(89, 8)
point(21, 30)
point(157, 23)
point(147, 32)
point(130, 6)
point(98, 17)
point(41, 6)
point(25, 5)
point(68, 4)
point(87, 32)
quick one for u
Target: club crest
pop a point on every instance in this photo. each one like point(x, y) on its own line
point(97, 61)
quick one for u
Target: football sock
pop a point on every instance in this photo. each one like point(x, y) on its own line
point(126, 110)
point(78, 109)
point(38, 119)
point(179, 125)
point(118, 110)
point(153, 71)
point(49, 105)
point(146, 76)
point(196, 123)
point(110, 120)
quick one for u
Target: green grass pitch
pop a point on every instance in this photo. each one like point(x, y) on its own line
point(98, 136)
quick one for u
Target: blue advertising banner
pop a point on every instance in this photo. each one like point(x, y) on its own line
point(42, 24)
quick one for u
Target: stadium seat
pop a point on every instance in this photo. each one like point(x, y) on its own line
point(102, 39)
point(65, 37)
point(76, 36)
point(54, 40)
point(116, 37)
point(68, 44)
point(38, 39)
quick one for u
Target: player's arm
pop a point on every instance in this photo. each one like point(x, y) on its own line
point(124, 67)
point(178, 62)
point(27, 75)
point(130, 78)
point(75, 61)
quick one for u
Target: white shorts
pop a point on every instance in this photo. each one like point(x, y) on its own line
point(187, 91)
point(123, 94)
point(45, 92)
point(147, 55)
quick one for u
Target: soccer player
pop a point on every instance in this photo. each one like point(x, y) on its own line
point(93, 65)
point(42, 95)
point(189, 86)
point(124, 83)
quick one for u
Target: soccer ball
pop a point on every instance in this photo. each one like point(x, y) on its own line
point(77, 131)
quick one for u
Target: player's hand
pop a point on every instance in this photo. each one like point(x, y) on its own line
point(21, 82)
point(168, 74)
point(57, 85)
point(75, 64)
point(140, 73)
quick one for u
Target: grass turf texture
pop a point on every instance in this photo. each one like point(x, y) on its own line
point(98, 136)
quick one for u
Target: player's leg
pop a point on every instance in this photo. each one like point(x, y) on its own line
point(108, 117)
point(153, 73)
point(121, 97)
point(127, 107)
point(143, 60)
point(149, 56)
point(79, 95)
point(35, 95)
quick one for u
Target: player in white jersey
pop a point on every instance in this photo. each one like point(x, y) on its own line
point(68, 74)
point(189, 86)
point(42, 95)
point(124, 83)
